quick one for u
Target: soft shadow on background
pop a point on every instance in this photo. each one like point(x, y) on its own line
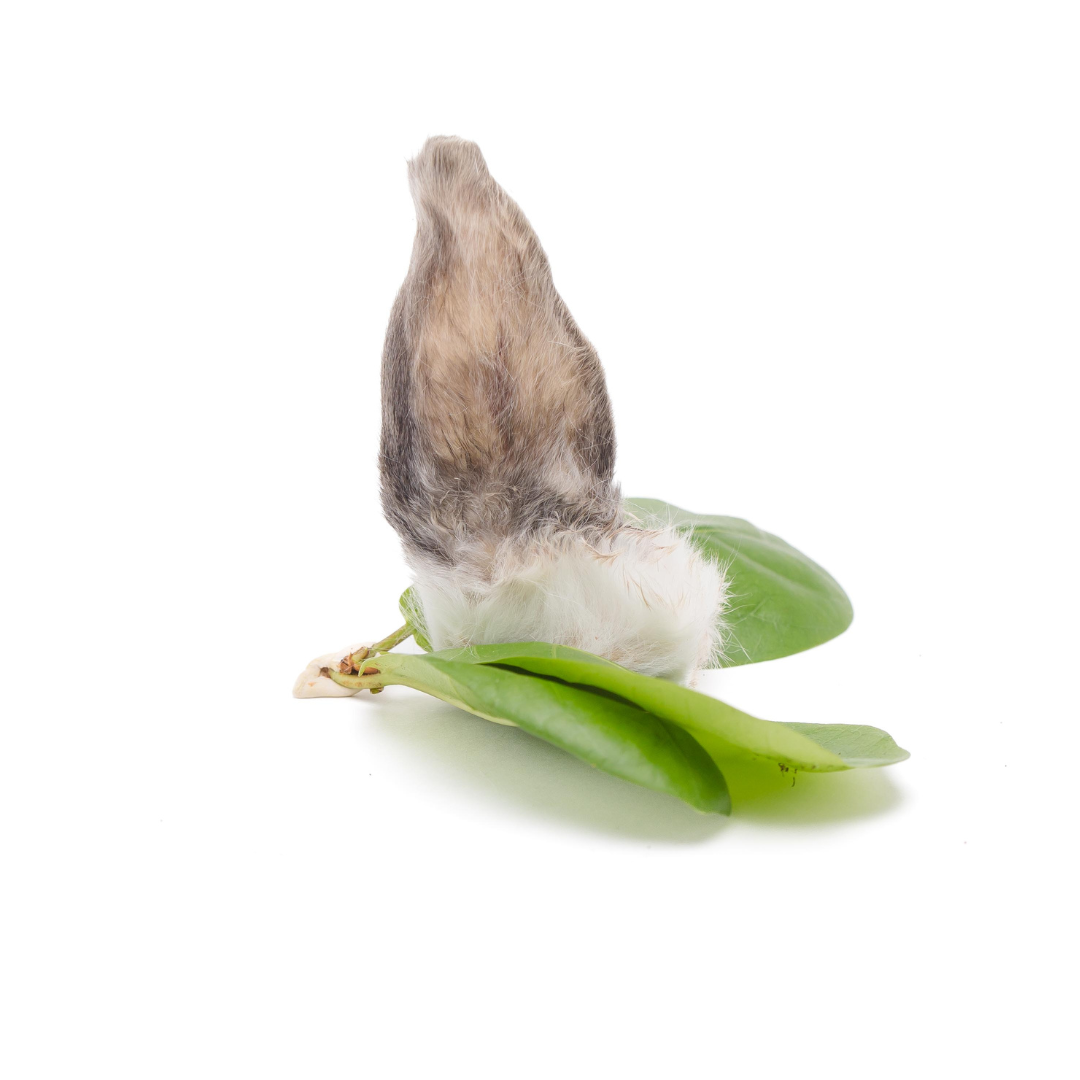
point(515, 769)
point(765, 795)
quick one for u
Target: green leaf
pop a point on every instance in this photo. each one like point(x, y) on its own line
point(861, 746)
point(781, 601)
point(615, 736)
point(724, 731)
point(409, 605)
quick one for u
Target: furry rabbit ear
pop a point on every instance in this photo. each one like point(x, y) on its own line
point(496, 418)
point(498, 449)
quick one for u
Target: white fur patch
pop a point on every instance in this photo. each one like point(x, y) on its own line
point(643, 598)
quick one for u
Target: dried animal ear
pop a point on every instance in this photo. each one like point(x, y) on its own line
point(498, 450)
point(496, 419)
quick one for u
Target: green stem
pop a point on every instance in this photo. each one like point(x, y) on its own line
point(356, 682)
point(361, 658)
point(396, 638)
point(404, 669)
point(375, 672)
point(380, 670)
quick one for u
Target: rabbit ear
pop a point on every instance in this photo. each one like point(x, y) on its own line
point(498, 449)
point(496, 420)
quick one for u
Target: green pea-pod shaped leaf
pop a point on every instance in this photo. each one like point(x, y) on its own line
point(726, 732)
point(615, 736)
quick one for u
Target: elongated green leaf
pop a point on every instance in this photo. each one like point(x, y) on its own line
point(781, 601)
point(724, 730)
point(506, 653)
point(615, 736)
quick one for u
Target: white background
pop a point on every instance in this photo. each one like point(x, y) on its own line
point(829, 256)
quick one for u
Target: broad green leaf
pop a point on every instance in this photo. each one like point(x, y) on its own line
point(615, 736)
point(409, 605)
point(724, 730)
point(781, 601)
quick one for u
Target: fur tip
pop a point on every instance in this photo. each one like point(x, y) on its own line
point(444, 168)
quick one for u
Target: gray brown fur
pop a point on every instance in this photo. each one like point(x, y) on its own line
point(496, 421)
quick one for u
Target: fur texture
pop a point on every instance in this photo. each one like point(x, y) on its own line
point(498, 449)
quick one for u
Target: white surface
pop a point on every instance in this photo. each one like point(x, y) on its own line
point(828, 255)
